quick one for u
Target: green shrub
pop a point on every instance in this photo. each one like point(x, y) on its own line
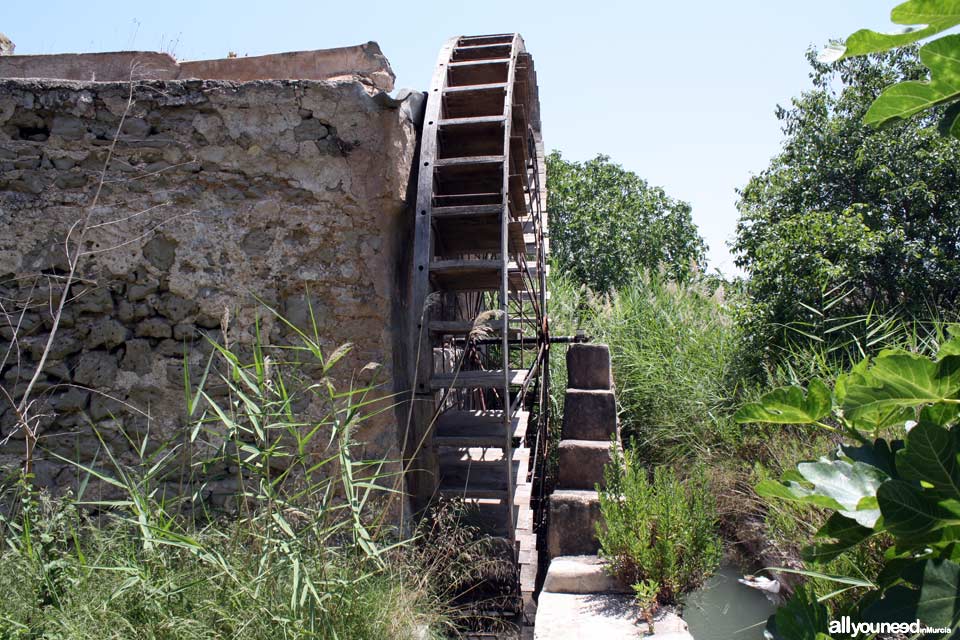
point(662, 532)
point(672, 345)
point(847, 204)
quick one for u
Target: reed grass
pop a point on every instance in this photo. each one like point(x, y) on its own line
point(299, 544)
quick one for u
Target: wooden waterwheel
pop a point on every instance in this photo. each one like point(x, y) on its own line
point(479, 306)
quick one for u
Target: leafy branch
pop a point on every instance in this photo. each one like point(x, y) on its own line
point(907, 489)
point(924, 18)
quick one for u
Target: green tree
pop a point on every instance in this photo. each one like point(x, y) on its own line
point(845, 203)
point(607, 225)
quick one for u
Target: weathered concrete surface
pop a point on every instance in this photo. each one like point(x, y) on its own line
point(118, 66)
point(572, 519)
point(589, 415)
point(575, 616)
point(588, 366)
point(364, 61)
point(581, 574)
point(581, 463)
point(217, 194)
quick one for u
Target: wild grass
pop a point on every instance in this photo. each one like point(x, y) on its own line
point(672, 347)
point(833, 344)
point(279, 531)
point(678, 352)
point(79, 579)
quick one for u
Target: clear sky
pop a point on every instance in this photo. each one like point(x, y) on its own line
point(683, 93)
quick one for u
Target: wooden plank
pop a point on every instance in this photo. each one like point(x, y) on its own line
point(457, 428)
point(470, 176)
point(420, 458)
point(473, 63)
point(470, 140)
point(474, 100)
point(496, 38)
point(472, 492)
point(491, 71)
point(493, 86)
point(472, 275)
point(478, 472)
point(475, 234)
point(482, 51)
point(517, 238)
point(468, 210)
point(466, 199)
point(515, 45)
point(446, 162)
point(517, 193)
point(463, 327)
point(454, 122)
point(477, 379)
point(455, 326)
point(467, 235)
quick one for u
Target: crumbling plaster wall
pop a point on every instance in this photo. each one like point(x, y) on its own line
point(218, 194)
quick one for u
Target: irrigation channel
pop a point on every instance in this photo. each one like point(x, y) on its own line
point(725, 609)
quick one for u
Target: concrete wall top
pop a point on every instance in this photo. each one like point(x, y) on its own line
point(364, 61)
point(116, 66)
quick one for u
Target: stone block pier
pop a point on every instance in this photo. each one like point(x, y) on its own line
point(579, 598)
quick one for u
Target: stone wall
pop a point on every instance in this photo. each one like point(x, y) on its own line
point(218, 194)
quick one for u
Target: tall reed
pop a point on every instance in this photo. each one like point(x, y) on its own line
point(277, 530)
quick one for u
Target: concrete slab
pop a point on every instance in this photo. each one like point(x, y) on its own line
point(581, 463)
point(588, 366)
point(572, 519)
point(581, 574)
point(364, 60)
point(574, 616)
point(589, 415)
point(113, 66)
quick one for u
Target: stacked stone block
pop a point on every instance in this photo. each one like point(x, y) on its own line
point(589, 424)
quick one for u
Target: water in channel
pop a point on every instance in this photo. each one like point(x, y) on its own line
point(724, 609)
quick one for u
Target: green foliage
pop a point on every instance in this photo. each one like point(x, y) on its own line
point(801, 618)
point(607, 225)
point(908, 489)
point(831, 484)
point(847, 214)
point(109, 587)
point(646, 592)
point(789, 406)
point(460, 565)
point(298, 546)
point(672, 348)
point(941, 56)
point(662, 532)
point(674, 351)
point(922, 19)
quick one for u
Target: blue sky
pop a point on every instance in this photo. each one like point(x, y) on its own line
point(683, 93)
